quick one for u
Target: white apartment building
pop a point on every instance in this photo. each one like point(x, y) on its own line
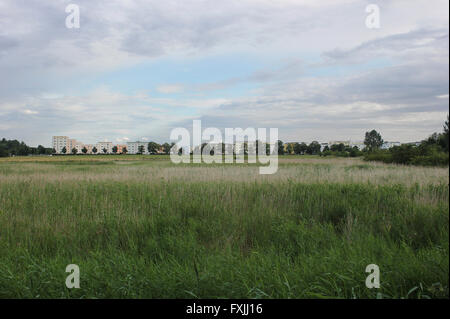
point(59, 142)
point(71, 144)
point(133, 147)
point(78, 145)
point(104, 145)
point(89, 148)
point(388, 145)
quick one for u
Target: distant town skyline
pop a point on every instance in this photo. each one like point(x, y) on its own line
point(147, 140)
point(132, 147)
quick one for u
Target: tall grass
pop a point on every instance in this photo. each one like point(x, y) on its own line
point(149, 229)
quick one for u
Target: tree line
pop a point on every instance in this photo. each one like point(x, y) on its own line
point(84, 150)
point(433, 151)
point(16, 148)
point(152, 148)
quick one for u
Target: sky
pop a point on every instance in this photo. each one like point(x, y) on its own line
point(136, 69)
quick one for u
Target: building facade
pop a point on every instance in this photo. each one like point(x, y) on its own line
point(133, 147)
point(388, 145)
point(59, 142)
point(102, 146)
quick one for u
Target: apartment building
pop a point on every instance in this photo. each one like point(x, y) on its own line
point(59, 142)
point(133, 147)
point(387, 145)
point(88, 147)
point(71, 143)
point(121, 148)
point(102, 146)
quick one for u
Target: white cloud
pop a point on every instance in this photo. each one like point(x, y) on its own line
point(170, 88)
point(122, 139)
point(29, 112)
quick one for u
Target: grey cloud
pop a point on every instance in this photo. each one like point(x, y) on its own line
point(6, 44)
point(392, 46)
point(401, 101)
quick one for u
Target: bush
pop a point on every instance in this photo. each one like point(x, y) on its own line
point(380, 156)
point(3, 152)
point(438, 159)
point(403, 154)
point(347, 152)
point(425, 155)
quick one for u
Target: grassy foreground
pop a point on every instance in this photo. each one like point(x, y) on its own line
point(142, 227)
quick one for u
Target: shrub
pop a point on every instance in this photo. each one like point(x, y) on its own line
point(381, 156)
point(437, 159)
point(425, 155)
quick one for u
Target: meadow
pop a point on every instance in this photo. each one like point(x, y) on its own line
point(142, 227)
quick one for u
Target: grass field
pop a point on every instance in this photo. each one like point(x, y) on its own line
point(142, 227)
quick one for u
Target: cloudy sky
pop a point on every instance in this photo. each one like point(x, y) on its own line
point(136, 69)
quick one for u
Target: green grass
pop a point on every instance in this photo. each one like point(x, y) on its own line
point(141, 227)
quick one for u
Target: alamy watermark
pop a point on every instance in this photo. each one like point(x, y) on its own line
point(373, 280)
point(73, 280)
point(73, 19)
point(210, 147)
point(373, 19)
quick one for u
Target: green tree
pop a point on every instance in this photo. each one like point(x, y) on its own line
point(124, 150)
point(440, 140)
point(153, 147)
point(280, 147)
point(166, 148)
point(64, 150)
point(297, 148)
point(337, 147)
point(14, 147)
point(115, 149)
point(267, 148)
point(302, 148)
point(84, 150)
point(446, 126)
point(141, 149)
point(40, 149)
point(373, 141)
point(445, 136)
point(94, 150)
point(74, 151)
point(202, 147)
point(290, 148)
point(3, 151)
point(257, 145)
point(313, 148)
point(105, 150)
point(354, 151)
